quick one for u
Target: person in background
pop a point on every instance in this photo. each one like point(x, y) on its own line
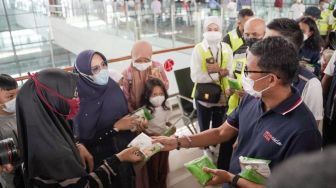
point(309, 53)
point(323, 23)
point(272, 122)
point(313, 12)
point(48, 149)
point(135, 76)
point(8, 128)
point(235, 38)
point(232, 14)
point(214, 7)
point(154, 98)
point(140, 70)
point(306, 82)
point(297, 9)
point(244, 4)
point(156, 7)
point(329, 93)
point(203, 72)
point(325, 58)
point(103, 122)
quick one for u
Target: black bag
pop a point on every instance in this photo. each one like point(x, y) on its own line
point(208, 92)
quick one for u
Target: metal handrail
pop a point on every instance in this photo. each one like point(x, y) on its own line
point(21, 78)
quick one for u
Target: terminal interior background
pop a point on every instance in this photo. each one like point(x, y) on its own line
point(37, 34)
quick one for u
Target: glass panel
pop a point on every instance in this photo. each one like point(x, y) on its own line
point(3, 23)
point(10, 68)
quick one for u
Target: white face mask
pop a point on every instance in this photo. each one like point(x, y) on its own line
point(10, 106)
point(157, 101)
point(102, 77)
point(248, 85)
point(212, 37)
point(305, 37)
point(142, 66)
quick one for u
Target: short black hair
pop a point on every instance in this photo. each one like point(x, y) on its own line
point(308, 171)
point(245, 12)
point(289, 29)
point(7, 82)
point(278, 56)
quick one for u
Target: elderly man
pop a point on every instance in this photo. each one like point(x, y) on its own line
point(140, 70)
point(272, 122)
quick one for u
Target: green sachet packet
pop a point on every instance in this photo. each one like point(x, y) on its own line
point(144, 113)
point(195, 167)
point(252, 175)
point(233, 83)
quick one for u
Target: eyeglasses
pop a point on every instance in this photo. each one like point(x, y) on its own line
point(96, 69)
point(246, 72)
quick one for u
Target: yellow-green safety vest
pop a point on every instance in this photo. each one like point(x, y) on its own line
point(322, 23)
point(239, 62)
point(207, 54)
point(236, 41)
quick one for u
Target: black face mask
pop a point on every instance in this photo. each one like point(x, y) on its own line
point(250, 41)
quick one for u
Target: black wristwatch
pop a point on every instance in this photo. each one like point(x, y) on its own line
point(234, 181)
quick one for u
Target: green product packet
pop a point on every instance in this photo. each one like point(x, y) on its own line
point(252, 175)
point(233, 83)
point(195, 167)
point(147, 114)
point(169, 131)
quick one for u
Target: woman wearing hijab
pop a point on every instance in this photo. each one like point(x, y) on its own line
point(45, 103)
point(141, 69)
point(102, 123)
point(202, 70)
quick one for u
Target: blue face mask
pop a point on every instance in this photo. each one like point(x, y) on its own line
point(102, 77)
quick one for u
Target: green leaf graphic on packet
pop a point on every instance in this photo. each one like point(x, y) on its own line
point(145, 145)
point(195, 167)
point(233, 83)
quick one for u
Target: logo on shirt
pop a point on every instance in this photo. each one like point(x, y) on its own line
point(269, 137)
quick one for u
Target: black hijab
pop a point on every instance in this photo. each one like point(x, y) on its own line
point(46, 139)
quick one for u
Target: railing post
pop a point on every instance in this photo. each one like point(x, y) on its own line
point(172, 17)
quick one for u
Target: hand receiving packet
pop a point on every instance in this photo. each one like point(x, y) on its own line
point(195, 167)
point(145, 145)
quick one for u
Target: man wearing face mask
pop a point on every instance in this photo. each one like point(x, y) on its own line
point(202, 71)
point(305, 81)
point(271, 122)
point(254, 29)
point(234, 38)
point(8, 127)
point(140, 70)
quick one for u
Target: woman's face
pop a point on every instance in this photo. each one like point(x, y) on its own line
point(213, 27)
point(157, 91)
point(305, 29)
point(97, 64)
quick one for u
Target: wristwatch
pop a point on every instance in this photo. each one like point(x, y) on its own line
point(235, 181)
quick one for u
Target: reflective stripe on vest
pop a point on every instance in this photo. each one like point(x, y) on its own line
point(236, 41)
point(206, 54)
point(239, 62)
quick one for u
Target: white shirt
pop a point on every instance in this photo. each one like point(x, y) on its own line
point(298, 10)
point(232, 9)
point(158, 123)
point(196, 73)
point(329, 70)
point(313, 97)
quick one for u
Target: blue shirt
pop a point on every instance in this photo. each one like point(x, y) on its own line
point(288, 129)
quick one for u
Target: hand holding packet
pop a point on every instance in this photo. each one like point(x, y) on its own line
point(255, 170)
point(145, 145)
point(195, 167)
point(233, 83)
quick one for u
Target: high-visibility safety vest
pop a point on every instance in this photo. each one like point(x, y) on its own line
point(236, 41)
point(323, 23)
point(239, 63)
point(223, 81)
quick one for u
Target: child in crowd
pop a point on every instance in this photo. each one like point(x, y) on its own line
point(154, 98)
point(324, 60)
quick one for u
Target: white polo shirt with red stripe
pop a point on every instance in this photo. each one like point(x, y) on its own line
point(288, 129)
